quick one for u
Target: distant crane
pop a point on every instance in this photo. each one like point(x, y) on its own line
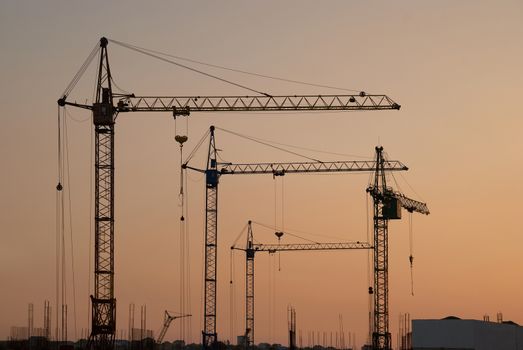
point(251, 248)
point(168, 318)
point(105, 110)
point(387, 206)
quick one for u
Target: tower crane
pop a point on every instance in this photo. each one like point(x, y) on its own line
point(168, 318)
point(106, 107)
point(251, 248)
point(387, 206)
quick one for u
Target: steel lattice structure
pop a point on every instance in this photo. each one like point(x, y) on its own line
point(105, 110)
point(306, 167)
point(211, 237)
point(249, 289)
point(103, 302)
point(267, 103)
point(285, 247)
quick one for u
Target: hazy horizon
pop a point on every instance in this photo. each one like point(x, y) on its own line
point(454, 67)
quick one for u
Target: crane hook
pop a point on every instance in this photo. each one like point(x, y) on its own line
point(181, 139)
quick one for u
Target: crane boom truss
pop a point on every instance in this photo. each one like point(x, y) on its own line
point(285, 247)
point(256, 103)
point(306, 167)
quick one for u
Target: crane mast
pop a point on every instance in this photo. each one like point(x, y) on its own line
point(249, 289)
point(105, 110)
point(103, 302)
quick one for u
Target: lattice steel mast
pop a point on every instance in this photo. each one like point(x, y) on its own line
point(211, 232)
point(103, 303)
point(249, 289)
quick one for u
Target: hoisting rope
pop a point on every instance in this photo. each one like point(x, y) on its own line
point(71, 238)
point(369, 272)
point(61, 255)
point(411, 257)
point(232, 297)
point(184, 275)
point(282, 217)
point(278, 233)
point(58, 223)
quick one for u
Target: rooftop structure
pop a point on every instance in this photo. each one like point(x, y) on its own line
point(455, 333)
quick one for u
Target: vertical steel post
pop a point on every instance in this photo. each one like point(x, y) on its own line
point(103, 301)
point(209, 336)
point(381, 339)
point(249, 290)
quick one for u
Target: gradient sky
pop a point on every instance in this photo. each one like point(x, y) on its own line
point(454, 66)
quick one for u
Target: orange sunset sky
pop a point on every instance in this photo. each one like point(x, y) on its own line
point(454, 66)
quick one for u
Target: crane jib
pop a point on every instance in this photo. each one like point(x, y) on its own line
point(186, 104)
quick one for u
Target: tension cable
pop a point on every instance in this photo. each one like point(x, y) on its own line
point(411, 257)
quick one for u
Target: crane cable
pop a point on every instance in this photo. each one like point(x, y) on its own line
point(181, 139)
point(369, 272)
point(243, 71)
point(232, 297)
point(81, 71)
point(197, 147)
point(282, 217)
point(149, 53)
point(61, 298)
point(411, 257)
point(71, 238)
point(59, 197)
point(188, 320)
point(294, 233)
point(287, 232)
point(278, 233)
point(268, 144)
point(61, 258)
